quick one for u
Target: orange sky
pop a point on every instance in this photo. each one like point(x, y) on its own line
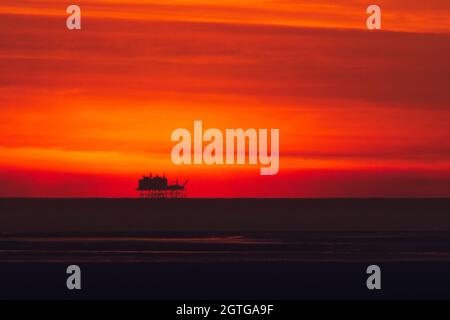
point(360, 113)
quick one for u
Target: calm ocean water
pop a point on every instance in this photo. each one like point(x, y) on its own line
point(227, 247)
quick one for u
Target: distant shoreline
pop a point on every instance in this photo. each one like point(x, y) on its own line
point(34, 215)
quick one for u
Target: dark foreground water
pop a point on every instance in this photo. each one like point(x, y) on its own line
point(258, 265)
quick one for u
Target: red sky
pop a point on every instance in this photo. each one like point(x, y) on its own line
point(360, 113)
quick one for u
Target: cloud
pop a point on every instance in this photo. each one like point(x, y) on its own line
point(289, 64)
point(403, 15)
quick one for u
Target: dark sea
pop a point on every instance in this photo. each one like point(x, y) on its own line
point(225, 248)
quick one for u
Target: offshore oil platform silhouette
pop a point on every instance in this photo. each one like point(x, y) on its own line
point(159, 188)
